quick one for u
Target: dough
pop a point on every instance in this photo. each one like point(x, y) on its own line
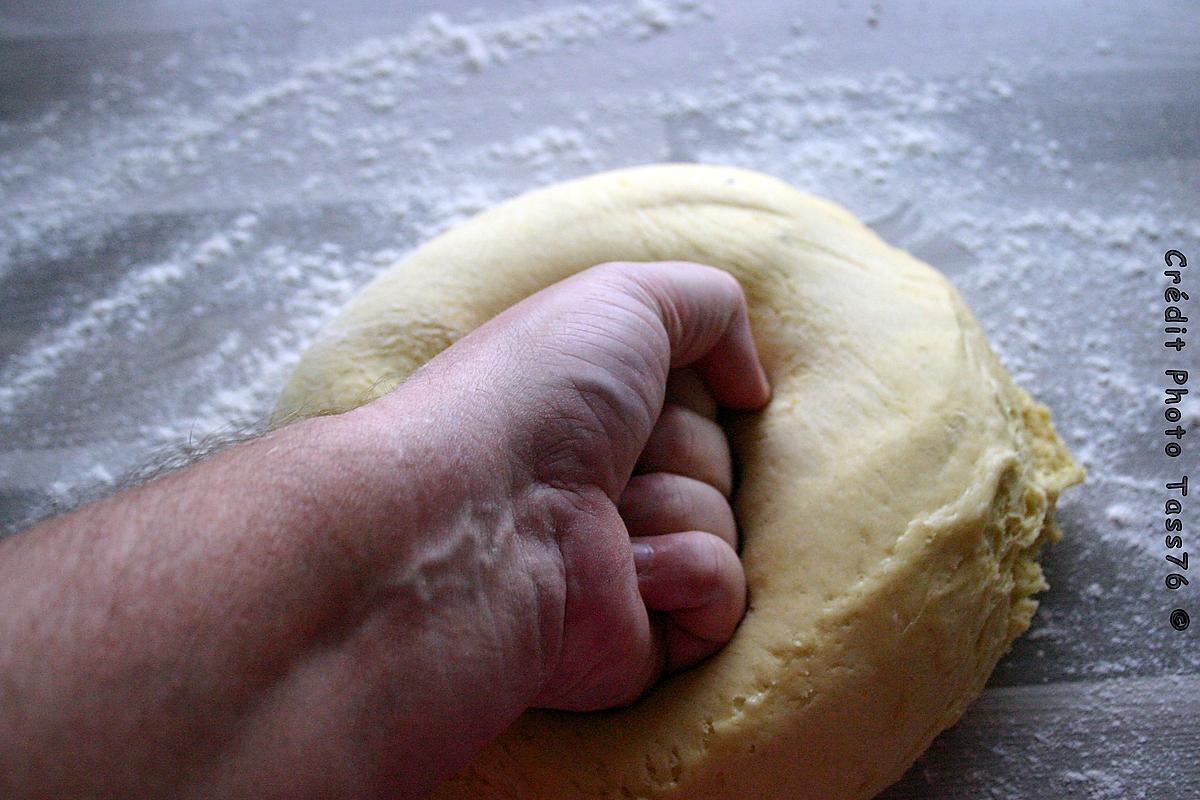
point(893, 496)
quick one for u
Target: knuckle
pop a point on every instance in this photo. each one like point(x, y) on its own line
point(682, 435)
point(709, 568)
point(677, 502)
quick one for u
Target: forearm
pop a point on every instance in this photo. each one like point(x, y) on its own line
point(239, 623)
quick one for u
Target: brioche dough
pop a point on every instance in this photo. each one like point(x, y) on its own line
point(893, 495)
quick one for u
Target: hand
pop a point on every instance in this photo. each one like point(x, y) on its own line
point(577, 376)
point(354, 605)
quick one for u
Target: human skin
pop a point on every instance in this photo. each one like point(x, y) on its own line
point(354, 605)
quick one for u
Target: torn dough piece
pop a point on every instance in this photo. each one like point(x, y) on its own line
point(893, 498)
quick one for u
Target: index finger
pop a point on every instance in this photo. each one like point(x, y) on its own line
point(703, 310)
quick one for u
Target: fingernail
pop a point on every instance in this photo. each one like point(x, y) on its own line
point(643, 555)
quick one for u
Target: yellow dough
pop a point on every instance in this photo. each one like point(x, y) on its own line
point(893, 495)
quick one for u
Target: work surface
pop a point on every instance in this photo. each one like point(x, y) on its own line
point(189, 191)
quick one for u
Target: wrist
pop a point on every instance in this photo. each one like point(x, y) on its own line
point(430, 596)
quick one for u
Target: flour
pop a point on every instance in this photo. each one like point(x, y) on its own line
point(180, 223)
point(178, 230)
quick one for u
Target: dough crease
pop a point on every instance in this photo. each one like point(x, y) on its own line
point(893, 499)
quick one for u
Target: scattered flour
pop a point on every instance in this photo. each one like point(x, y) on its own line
point(177, 230)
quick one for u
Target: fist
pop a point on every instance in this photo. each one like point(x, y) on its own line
point(601, 392)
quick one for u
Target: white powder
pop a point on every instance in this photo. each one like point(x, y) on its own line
point(198, 214)
point(1094, 784)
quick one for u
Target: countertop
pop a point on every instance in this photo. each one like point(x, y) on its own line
point(190, 188)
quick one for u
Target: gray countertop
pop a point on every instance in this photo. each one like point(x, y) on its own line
point(190, 188)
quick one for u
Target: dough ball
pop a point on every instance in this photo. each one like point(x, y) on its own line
point(893, 498)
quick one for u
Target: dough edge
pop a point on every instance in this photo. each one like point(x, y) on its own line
point(960, 575)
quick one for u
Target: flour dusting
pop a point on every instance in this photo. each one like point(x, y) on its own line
point(182, 220)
